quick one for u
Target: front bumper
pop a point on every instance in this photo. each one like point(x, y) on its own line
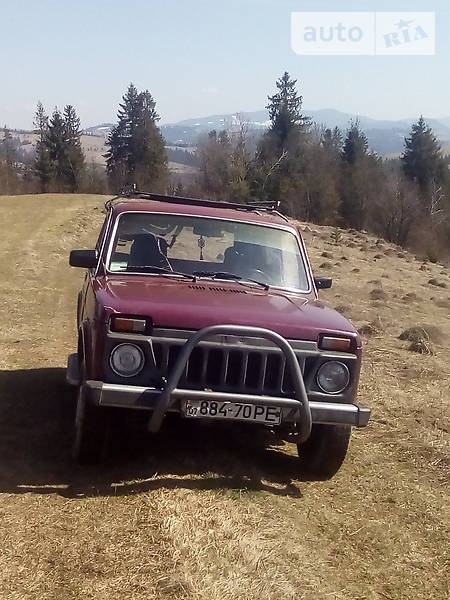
point(142, 398)
point(300, 410)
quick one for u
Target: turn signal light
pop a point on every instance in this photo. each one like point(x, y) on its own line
point(128, 325)
point(335, 343)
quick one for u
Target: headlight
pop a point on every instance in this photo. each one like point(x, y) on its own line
point(333, 377)
point(127, 360)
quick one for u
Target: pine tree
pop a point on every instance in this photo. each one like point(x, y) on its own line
point(281, 152)
point(359, 177)
point(332, 140)
point(117, 158)
point(128, 118)
point(9, 149)
point(422, 159)
point(285, 114)
point(150, 158)
point(136, 152)
point(40, 121)
point(8, 162)
point(42, 163)
point(74, 166)
point(55, 143)
point(63, 145)
point(355, 146)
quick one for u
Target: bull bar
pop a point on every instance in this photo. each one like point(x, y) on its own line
point(161, 401)
point(165, 400)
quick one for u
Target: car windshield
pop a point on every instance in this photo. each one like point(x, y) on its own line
point(161, 243)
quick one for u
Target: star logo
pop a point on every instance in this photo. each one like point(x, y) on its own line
point(402, 24)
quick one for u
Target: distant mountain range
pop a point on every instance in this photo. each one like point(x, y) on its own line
point(385, 137)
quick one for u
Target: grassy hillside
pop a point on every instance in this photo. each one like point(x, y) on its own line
point(197, 513)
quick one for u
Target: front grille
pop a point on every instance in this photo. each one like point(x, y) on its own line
point(227, 368)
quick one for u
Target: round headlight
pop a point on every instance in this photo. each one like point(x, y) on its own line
point(333, 377)
point(127, 360)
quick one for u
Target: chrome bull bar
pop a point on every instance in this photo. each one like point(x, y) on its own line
point(170, 392)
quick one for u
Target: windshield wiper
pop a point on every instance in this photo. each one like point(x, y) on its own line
point(162, 270)
point(230, 276)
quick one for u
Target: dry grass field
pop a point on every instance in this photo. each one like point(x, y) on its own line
point(205, 514)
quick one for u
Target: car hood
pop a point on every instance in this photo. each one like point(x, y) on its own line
point(183, 304)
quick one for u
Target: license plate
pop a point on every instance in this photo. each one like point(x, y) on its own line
point(236, 411)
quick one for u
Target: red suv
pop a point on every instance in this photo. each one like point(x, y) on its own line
point(210, 310)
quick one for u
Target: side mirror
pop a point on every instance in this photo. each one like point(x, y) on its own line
point(83, 258)
point(323, 283)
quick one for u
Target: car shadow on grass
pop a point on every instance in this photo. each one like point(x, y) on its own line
point(36, 417)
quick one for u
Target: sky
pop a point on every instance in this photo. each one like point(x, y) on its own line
point(202, 57)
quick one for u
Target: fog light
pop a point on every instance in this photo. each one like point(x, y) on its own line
point(127, 360)
point(333, 377)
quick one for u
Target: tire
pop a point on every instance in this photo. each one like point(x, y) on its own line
point(91, 431)
point(323, 453)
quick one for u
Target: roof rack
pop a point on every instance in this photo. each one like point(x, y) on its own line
point(252, 206)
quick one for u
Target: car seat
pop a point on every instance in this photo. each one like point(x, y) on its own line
point(243, 258)
point(145, 251)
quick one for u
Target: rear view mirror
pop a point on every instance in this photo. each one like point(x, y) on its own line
point(323, 283)
point(83, 258)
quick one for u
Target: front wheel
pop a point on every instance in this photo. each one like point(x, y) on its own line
point(323, 453)
point(92, 431)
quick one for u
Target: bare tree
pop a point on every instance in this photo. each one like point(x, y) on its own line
point(398, 210)
point(273, 168)
point(437, 212)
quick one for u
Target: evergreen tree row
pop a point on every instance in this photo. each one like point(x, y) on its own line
point(316, 174)
point(59, 161)
point(323, 176)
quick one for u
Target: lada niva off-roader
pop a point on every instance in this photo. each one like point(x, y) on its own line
point(210, 310)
